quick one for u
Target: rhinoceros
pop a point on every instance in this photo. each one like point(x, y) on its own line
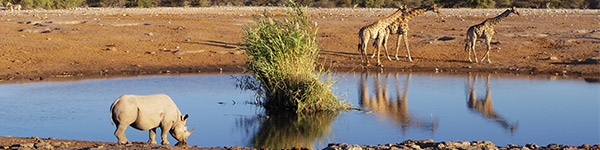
point(148, 113)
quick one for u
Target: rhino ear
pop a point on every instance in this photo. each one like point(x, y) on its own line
point(184, 117)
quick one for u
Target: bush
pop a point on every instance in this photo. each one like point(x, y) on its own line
point(282, 56)
point(199, 3)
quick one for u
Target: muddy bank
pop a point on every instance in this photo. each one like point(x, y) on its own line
point(90, 42)
point(432, 145)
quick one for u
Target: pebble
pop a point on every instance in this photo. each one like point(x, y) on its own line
point(592, 60)
point(430, 144)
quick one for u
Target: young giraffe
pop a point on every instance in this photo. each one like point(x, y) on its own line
point(400, 27)
point(374, 30)
point(485, 30)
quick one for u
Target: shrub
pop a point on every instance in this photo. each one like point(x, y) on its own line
point(282, 56)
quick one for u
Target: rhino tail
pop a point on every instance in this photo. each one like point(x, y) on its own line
point(112, 107)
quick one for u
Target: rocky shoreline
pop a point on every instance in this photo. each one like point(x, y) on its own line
point(455, 145)
point(17, 143)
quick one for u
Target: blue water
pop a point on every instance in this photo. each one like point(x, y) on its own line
point(504, 110)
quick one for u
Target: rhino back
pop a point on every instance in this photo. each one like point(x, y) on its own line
point(150, 110)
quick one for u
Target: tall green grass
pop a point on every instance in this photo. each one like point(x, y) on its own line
point(282, 56)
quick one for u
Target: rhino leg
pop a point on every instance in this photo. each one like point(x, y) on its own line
point(163, 135)
point(120, 133)
point(152, 139)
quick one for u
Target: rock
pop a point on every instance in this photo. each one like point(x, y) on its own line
point(43, 145)
point(151, 53)
point(149, 34)
point(446, 38)
point(110, 49)
point(552, 58)
point(179, 57)
point(592, 60)
point(26, 145)
point(56, 144)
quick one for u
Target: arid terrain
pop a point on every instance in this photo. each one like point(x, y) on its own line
point(88, 42)
point(96, 42)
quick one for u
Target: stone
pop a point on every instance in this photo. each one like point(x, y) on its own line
point(552, 58)
point(592, 60)
point(43, 145)
point(26, 145)
point(446, 38)
point(149, 34)
point(110, 49)
point(151, 53)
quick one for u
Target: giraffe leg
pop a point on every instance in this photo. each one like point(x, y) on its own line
point(405, 37)
point(487, 53)
point(473, 49)
point(398, 45)
point(385, 46)
point(374, 51)
point(363, 47)
point(379, 42)
point(468, 49)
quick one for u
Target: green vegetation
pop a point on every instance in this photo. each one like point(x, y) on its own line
point(46, 4)
point(282, 56)
point(60, 4)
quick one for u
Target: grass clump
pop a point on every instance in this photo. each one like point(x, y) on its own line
point(282, 57)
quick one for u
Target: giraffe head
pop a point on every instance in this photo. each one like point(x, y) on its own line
point(434, 8)
point(514, 10)
point(403, 8)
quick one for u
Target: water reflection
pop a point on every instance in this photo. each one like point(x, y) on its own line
point(485, 106)
point(284, 130)
point(385, 108)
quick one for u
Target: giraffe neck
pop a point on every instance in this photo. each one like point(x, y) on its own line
point(496, 20)
point(414, 12)
point(391, 18)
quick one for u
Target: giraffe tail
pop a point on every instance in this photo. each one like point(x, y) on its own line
point(467, 45)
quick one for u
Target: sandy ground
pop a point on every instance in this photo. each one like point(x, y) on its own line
point(81, 43)
point(43, 44)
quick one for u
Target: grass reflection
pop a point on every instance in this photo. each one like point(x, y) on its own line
point(286, 130)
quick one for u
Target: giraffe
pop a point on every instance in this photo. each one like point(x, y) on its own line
point(400, 27)
point(485, 30)
point(385, 36)
point(374, 30)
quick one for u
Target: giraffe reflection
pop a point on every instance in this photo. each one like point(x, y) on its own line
point(485, 106)
point(385, 108)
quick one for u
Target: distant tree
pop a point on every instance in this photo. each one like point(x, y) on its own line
point(503, 3)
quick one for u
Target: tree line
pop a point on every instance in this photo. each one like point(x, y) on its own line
point(61, 4)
